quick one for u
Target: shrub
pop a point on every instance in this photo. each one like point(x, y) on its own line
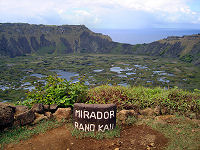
point(140, 97)
point(57, 91)
point(106, 94)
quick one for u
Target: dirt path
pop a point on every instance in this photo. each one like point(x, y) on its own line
point(139, 137)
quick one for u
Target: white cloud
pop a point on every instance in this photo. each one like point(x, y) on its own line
point(98, 12)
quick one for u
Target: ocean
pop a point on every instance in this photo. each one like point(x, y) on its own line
point(140, 36)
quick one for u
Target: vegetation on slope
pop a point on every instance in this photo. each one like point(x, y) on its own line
point(18, 39)
point(64, 93)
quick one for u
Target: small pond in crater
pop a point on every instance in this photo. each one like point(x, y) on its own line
point(66, 75)
point(119, 69)
point(98, 70)
point(38, 75)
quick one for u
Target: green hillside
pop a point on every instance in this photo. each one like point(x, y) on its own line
point(17, 39)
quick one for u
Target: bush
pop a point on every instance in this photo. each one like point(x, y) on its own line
point(57, 91)
point(141, 97)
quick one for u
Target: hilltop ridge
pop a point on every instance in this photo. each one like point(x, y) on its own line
point(185, 48)
point(17, 39)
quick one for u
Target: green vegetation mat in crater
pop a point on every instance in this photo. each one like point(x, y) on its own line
point(22, 73)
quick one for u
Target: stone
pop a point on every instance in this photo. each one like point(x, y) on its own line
point(196, 121)
point(197, 115)
point(163, 119)
point(25, 118)
point(49, 115)
point(38, 108)
point(157, 110)
point(146, 139)
point(53, 108)
point(132, 141)
point(46, 108)
point(62, 114)
point(164, 110)
point(94, 117)
point(141, 117)
point(20, 109)
point(124, 114)
point(39, 117)
point(147, 112)
point(148, 148)
point(191, 115)
point(152, 144)
point(6, 115)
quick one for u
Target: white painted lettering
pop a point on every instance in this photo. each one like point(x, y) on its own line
point(86, 114)
point(87, 127)
point(92, 127)
point(81, 114)
point(77, 113)
point(112, 114)
point(99, 115)
point(76, 124)
point(92, 115)
point(106, 127)
point(81, 127)
point(106, 116)
point(100, 128)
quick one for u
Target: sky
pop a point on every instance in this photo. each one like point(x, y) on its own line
point(105, 14)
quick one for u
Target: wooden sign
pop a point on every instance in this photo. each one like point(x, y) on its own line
point(94, 117)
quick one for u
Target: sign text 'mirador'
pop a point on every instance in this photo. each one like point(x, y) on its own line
point(94, 115)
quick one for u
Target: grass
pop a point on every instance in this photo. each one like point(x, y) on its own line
point(15, 134)
point(13, 71)
point(183, 134)
point(97, 135)
point(174, 99)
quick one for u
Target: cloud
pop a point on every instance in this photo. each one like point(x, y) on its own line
point(99, 13)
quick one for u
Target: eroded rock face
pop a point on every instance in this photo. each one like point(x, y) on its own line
point(38, 108)
point(147, 112)
point(124, 114)
point(62, 114)
point(20, 109)
point(6, 115)
point(18, 39)
point(25, 118)
point(49, 115)
point(53, 108)
point(39, 117)
point(46, 108)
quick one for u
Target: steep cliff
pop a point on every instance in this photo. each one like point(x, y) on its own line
point(185, 48)
point(18, 39)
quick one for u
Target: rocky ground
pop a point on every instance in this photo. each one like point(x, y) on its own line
point(135, 134)
point(136, 137)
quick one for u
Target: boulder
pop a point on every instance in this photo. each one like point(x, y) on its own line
point(53, 108)
point(38, 108)
point(49, 115)
point(124, 114)
point(24, 118)
point(157, 110)
point(20, 109)
point(198, 115)
point(6, 115)
point(164, 110)
point(147, 112)
point(46, 108)
point(39, 117)
point(62, 114)
point(163, 119)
